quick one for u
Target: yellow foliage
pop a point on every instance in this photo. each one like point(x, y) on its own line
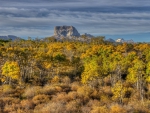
point(11, 69)
point(47, 65)
point(7, 88)
point(56, 79)
point(148, 79)
point(70, 46)
point(118, 90)
point(90, 71)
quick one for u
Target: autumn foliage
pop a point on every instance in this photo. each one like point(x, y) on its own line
point(50, 76)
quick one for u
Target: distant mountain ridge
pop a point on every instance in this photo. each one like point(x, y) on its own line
point(120, 40)
point(9, 37)
point(88, 35)
point(70, 32)
point(111, 40)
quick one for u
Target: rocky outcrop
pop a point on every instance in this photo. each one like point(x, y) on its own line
point(66, 32)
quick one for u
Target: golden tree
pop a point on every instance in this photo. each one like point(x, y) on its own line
point(11, 71)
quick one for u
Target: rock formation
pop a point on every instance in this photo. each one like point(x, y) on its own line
point(66, 32)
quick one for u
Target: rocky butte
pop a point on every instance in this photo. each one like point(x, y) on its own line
point(71, 33)
point(65, 32)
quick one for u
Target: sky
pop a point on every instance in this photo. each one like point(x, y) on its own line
point(128, 19)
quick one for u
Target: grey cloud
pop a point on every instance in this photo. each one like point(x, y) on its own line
point(23, 12)
point(73, 3)
point(91, 16)
point(107, 23)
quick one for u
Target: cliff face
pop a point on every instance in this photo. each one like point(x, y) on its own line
point(65, 31)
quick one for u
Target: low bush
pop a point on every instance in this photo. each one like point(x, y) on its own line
point(30, 92)
point(39, 99)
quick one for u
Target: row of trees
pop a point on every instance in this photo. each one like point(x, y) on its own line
point(126, 66)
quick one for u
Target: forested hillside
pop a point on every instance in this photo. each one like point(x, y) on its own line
point(50, 76)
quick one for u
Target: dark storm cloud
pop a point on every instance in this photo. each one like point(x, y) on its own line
point(38, 17)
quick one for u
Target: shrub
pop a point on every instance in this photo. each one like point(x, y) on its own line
point(75, 86)
point(11, 108)
point(32, 91)
point(58, 88)
point(10, 100)
point(41, 98)
point(7, 89)
point(8, 109)
point(72, 95)
point(107, 90)
point(84, 91)
point(52, 107)
point(117, 109)
point(27, 104)
point(100, 109)
point(1, 105)
point(39, 108)
point(93, 103)
point(139, 106)
point(48, 90)
point(55, 80)
point(107, 81)
point(72, 107)
point(61, 97)
point(105, 99)
point(66, 80)
point(65, 87)
point(95, 94)
point(85, 109)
